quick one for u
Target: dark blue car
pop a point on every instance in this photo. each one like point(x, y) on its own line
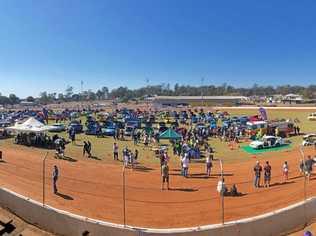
point(76, 126)
point(93, 128)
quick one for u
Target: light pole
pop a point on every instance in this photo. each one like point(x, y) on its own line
point(44, 162)
point(147, 95)
point(202, 95)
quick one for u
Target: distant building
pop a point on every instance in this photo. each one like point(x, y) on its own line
point(197, 100)
point(28, 104)
point(292, 98)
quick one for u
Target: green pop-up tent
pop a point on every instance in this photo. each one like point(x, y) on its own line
point(170, 134)
point(149, 130)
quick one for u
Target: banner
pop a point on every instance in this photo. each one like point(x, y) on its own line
point(263, 113)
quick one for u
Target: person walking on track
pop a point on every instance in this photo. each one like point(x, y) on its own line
point(115, 151)
point(285, 170)
point(165, 175)
point(208, 165)
point(55, 178)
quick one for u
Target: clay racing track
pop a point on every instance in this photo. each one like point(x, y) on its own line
point(94, 189)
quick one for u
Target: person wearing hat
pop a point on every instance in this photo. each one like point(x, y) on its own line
point(257, 171)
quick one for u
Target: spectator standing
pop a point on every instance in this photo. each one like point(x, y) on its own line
point(89, 148)
point(208, 165)
point(136, 154)
point(185, 165)
point(162, 161)
point(125, 156)
point(267, 174)
point(309, 167)
point(115, 151)
point(221, 187)
point(55, 178)
point(257, 171)
point(285, 170)
point(165, 175)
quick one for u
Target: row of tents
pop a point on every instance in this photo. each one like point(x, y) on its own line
point(31, 125)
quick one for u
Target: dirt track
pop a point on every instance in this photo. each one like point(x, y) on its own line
point(94, 189)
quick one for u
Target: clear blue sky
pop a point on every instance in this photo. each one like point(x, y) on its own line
point(49, 44)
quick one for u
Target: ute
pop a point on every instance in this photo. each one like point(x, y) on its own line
point(267, 142)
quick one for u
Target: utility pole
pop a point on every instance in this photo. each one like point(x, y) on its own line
point(81, 93)
point(202, 95)
point(147, 96)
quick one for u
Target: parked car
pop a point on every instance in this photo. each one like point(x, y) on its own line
point(58, 127)
point(309, 139)
point(128, 130)
point(285, 128)
point(93, 128)
point(76, 126)
point(109, 130)
point(312, 116)
point(267, 142)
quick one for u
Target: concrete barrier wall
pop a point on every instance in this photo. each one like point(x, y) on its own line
point(65, 223)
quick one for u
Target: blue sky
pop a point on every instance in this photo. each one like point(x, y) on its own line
point(46, 45)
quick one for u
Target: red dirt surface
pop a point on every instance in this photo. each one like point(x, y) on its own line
point(94, 189)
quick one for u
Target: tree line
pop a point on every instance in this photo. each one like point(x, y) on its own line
point(124, 94)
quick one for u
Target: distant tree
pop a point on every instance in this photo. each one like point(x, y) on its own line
point(14, 99)
point(30, 99)
point(105, 91)
point(4, 100)
point(99, 94)
point(43, 97)
point(69, 92)
point(52, 96)
point(61, 97)
point(76, 97)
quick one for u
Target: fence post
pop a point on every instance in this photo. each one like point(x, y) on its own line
point(44, 162)
point(124, 199)
point(222, 195)
point(305, 182)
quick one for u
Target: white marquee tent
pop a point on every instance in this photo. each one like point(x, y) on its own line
point(31, 125)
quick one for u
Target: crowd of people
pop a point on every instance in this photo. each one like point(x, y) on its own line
point(305, 167)
point(40, 140)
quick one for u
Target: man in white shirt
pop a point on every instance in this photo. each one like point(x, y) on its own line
point(221, 187)
point(185, 165)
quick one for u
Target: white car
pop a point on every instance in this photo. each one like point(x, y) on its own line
point(128, 131)
point(267, 142)
point(312, 116)
point(309, 139)
point(57, 128)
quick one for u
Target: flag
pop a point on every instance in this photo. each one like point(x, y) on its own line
point(263, 113)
